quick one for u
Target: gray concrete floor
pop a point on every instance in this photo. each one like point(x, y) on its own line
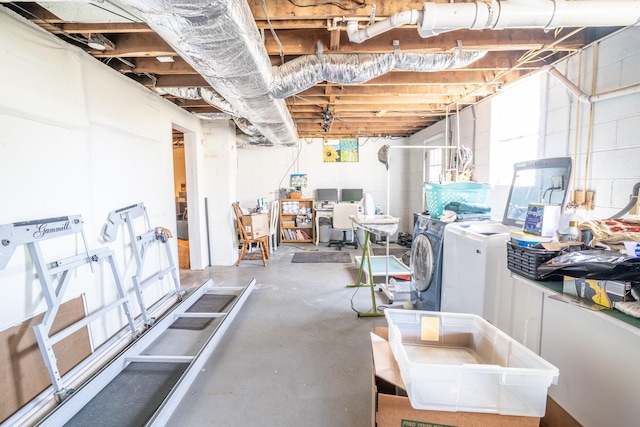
point(295, 355)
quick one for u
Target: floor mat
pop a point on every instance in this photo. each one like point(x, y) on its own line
point(147, 385)
point(317, 257)
point(205, 304)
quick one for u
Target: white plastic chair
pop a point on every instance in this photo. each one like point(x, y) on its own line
point(274, 211)
point(342, 213)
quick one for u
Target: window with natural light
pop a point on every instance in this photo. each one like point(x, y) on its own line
point(435, 157)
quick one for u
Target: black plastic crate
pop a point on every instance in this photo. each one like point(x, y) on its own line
point(524, 261)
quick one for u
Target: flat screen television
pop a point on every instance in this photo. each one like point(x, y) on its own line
point(542, 181)
point(327, 195)
point(351, 195)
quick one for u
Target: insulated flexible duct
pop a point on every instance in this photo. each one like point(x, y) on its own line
point(306, 71)
point(220, 40)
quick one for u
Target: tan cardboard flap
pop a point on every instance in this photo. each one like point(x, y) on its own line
point(384, 364)
point(396, 411)
point(556, 246)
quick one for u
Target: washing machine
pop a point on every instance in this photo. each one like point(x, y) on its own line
point(426, 262)
point(475, 278)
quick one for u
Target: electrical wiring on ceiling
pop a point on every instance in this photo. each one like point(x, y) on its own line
point(273, 31)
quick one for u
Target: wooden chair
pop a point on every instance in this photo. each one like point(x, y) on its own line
point(247, 242)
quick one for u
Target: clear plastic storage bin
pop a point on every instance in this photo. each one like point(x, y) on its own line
point(460, 362)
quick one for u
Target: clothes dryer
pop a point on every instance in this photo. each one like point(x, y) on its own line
point(426, 262)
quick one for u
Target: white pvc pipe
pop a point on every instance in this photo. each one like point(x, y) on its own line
point(583, 96)
point(399, 19)
point(437, 18)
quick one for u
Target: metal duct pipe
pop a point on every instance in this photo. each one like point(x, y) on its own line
point(306, 71)
point(220, 40)
point(585, 97)
point(206, 94)
point(437, 18)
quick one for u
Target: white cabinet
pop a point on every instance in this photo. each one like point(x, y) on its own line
point(525, 312)
point(598, 357)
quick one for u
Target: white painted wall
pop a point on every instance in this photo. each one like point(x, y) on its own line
point(262, 171)
point(220, 172)
point(79, 138)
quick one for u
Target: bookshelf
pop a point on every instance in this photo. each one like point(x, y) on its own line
point(296, 220)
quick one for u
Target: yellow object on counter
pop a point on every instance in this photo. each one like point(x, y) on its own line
point(520, 238)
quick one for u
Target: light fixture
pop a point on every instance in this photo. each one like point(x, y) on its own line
point(165, 58)
point(95, 42)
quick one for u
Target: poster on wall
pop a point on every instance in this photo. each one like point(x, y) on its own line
point(340, 150)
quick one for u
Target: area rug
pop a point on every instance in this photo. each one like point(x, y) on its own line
point(316, 257)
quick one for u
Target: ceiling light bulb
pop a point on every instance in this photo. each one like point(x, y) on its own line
point(96, 43)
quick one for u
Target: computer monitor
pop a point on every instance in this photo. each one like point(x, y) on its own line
point(327, 195)
point(351, 195)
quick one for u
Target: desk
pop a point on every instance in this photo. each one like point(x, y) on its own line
point(322, 213)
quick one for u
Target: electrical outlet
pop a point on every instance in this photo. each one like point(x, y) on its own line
point(557, 182)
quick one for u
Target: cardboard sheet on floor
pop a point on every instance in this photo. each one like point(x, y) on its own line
point(22, 369)
point(391, 407)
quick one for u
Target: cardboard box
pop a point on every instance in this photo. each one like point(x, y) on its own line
point(391, 407)
point(602, 292)
point(256, 225)
point(542, 220)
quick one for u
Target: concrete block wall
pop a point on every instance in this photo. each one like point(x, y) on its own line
point(606, 151)
point(614, 152)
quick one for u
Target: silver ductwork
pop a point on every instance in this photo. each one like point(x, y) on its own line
point(438, 18)
point(206, 94)
point(220, 40)
point(306, 71)
point(251, 134)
